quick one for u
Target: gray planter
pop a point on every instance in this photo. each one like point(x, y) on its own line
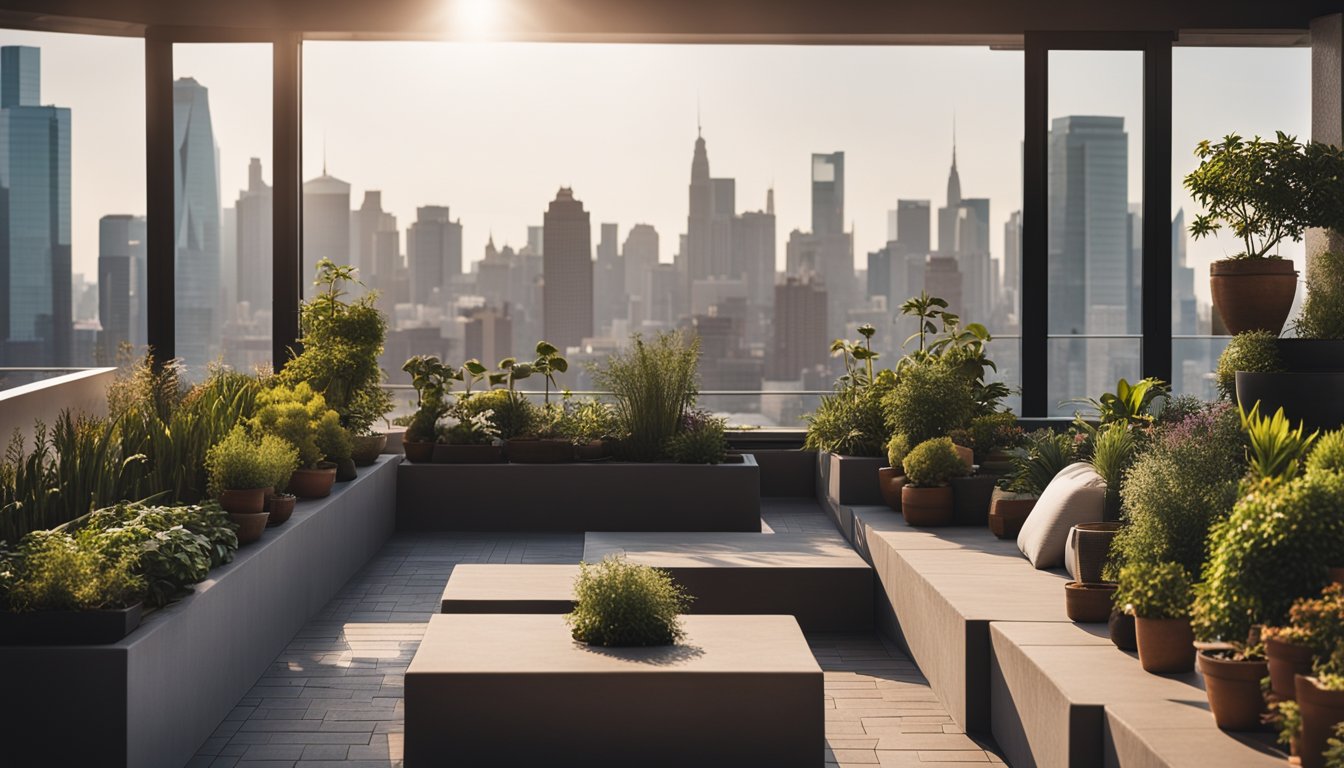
point(971, 496)
point(578, 497)
point(850, 480)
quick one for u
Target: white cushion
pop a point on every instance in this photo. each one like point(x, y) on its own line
point(1076, 495)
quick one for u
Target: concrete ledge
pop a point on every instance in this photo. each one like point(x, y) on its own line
point(78, 392)
point(517, 690)
point(848, 480)
point(815, 578)
point(153, 698)
point(512, 588)
point(602, 496)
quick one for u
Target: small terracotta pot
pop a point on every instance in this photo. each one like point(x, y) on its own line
point(1321, 710)
point(282, 506)
point(1166, 646)
point(313, 483)
point(1122, 631)
point(522, 450)
point(250, 526)
point(927, 506)
point(1286, 661)
point(890, 481)
point(367, 448)
point(1253, 294)
point(249, 501)
point(420, 453)
point(468, 454)
point(1007, 513)
point(1233, 688)
point(1088, 603)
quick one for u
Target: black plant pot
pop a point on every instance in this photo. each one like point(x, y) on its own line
point(345, 470)
point(1316, 399)
point(1123, 633)
point(971, 496)
point(1312, 355)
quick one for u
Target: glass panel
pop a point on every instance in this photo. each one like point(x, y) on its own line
point(1095, 222)
point(678, 187)
point(222, 139)
point(1216, 92)
point(72, 160)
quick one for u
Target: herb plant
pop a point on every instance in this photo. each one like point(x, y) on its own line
point(653, 384)
point(1155, 590)
point(619, 603)
point(700, 440)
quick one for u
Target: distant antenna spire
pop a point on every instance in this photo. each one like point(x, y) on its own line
point(324, 154)
point(698, 132)
point(770, 199)
point(954, 138)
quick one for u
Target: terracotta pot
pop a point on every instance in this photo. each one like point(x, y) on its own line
point(1088, 603)
point(596, 450)
point(890, 481)
point(997, 463)
point(345, 470)
point(1007, 513)
point(1089, 547)
point(249, 501)
point(967, 456)
point(1253, 294)
point(531, 450)
point(1166, 646)
point(266, 494)
point(1321, 710)
point(927, 506)
point(1233, 688)
point(250, 526)
point(1122, 632)
point(420, 453)
point(367, 448)
point(1286, 661)
point(313, 483)
point(282, 506)
point(468, 454)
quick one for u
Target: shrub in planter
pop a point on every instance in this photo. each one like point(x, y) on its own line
point(467, 436)
point(238, 476)
point(1158, 595)
point(300, 416)
point(59, 571)
point(1314, 625)
point(851, 422)
point(512, 414)
point(1327, 455)
point(619, 603)
point(1045, 453)
point(927, 499)
point(653, 384)
point(431, 380)
point(1322, 314)
point(1254, 351)
point(928, 400)
point(992, 436)
point(700, 440)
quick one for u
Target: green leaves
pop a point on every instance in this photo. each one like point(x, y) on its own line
point(1276, 449)
point(619, 603)
point(1155, 590)
point(933, 462)
point(1130, 403)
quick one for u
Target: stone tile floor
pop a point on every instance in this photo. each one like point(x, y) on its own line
point(333, 699)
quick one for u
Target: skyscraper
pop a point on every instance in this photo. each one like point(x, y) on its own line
point(35, 289)
point(947, 216)
point(121, 257)
point(828, 193)
point(254, 227)
point(800, 339)
point(567, 294)
point(609, 301)
point(326, 225)
point(699, 238)
point(640, 254)
point(912, 226)
point(196, 174)
point(434, 255)
point(367, 225)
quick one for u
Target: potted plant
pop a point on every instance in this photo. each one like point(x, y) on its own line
point(653, 384)
point(239, 478)
point(544, 444)
point(1232, 680)
point(431, 380)
point(1314, 623)
point(891, 478)
point(1320, 702)
point(927, 499)
point(300, 416)
point(618, 603)
point(994, 436)
point(700, 440)
point(1265, 192)
point(281, 459)
point(1159, 595)
point(468, 437)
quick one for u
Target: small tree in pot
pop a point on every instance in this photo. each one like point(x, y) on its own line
point(930, 466)
point(301, 417)
point(1159, 595)
point(239, 477)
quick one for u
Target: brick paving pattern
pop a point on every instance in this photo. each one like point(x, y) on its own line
point(333, 699)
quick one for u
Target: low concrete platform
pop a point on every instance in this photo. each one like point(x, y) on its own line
point(517, 690)
point(513, 588)
point(817, 578)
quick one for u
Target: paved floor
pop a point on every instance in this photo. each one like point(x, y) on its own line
point(333, 699)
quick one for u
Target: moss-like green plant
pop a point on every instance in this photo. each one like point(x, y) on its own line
point(928, 400)
point(619, 603)
point(933, 462)
point(653, 383)
point(1274, 548)
point(898, 447)
point(301, 417)
point(1252, 351)
point(1155, 590)
point(55, 571)
point(1327, 455)
point(511, 412)
point(701, 440)
point(1323, 310)
point(235, 464)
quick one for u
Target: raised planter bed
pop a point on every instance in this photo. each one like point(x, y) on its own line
point(152, 698)
point(68, 627)
point(849, 480)
point(599, 496)
point(739, 691)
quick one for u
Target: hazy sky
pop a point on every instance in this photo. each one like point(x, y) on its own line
point(492, 130)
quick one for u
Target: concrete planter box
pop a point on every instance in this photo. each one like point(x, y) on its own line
point(602, 496)
point(155, 696)
point(516, 689)
point(850, 480)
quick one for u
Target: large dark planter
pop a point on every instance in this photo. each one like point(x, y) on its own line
point(468, 454)
point(971, 497)
point(596, 450)
point(345, 470)
point(1311, 355)
point(367, 448)
point(1233, 688)
point(1007, 513)
point(1122, 631)
point(1166, 646)
point(420, 453)
point(850, 480)
point(1089, 546)
point(890, 480)
point(1088, 603)
point(1286, 661)
point(1316, 399)
point(927, 506)
point(1253, 294)
point(521, 450)
point(1321, 710)
point(68, 627)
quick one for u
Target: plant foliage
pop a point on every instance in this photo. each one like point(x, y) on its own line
point(933, 462)
point(1254, 351)
point(1276, 449)
point(700, 440)
point(1322, 315)
point(1155, 590)
point(619, 603)
point(653, 384)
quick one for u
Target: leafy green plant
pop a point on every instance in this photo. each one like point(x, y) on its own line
point(1316, 622)
point(1155, 590)
point(586, 421)
point(1113, 450)
point(994, 431)
point(1130, 403)
point(700, 440)
point(1266, 191)
point(170, 556)
point(1322, 315)
point(1276, 449)
point(851, 423)
point(933, 462)
point(300, 416)
point(549, 362)
point(963, 349)
point(928, 400)
point(858, 358)
point(1327, 455)
point(1254, 351)
point(279, 459)
point(653, 384)
point(1045, 454)
point(1274, 547)
point(59, 571)
point(432, 380)
point(1288, 721)
point(1334, 746)
point(476, 428)
point(619, 603)
point(511, 413)
point(235, 464)
point(898, 447)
